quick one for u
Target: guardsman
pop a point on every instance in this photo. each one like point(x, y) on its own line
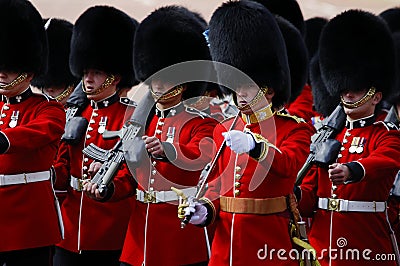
point(298, 65)
point(58, 82)
point(249, 190)
point(31, 126)
point(347, 199)
point(101, 54)
point(177, 139)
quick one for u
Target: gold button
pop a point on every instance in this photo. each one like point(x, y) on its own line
point(88, 136)
point(238, 176)
point(85, 160)
point(153, 172)
point(340, 155)
point(334, 187)
point(84, 175)
point(158, 131)
point(152, 181)
point(237, 184)
point(1, 122)
point(237, 168)
point(342, 148)
point(237, 192)
point(345, 141)
point(92, 121)
point(6, 107)
point(154, 163)
point(95, 114)
point(90, 128)
point(3, 115)
point(84, 168)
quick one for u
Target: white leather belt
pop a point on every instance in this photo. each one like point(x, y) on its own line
point(76, 183)
point(25, 178)
point(162, 196)
point(341, 205)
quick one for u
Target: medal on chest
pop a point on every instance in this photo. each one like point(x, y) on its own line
point(14, 119)
point(170, 134)
point(102, 125)
point(357, 145)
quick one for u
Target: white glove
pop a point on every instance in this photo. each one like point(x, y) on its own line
point(239, 141)
point(198, 210)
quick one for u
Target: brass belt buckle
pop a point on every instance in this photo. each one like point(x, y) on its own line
point(149, 197)
point(80, 184)
point(333, 204)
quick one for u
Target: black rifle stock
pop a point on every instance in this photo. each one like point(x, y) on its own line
point(129, 134)
point(330, 127)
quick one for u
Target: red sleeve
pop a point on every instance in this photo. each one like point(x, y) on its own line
point(61, 167)
point(47, 127)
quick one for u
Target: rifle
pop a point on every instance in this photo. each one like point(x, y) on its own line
point(324, 139)
point(392, 116)
point(129, 135)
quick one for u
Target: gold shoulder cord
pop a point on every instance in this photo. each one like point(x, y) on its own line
point(364, 99)
point(15, 82)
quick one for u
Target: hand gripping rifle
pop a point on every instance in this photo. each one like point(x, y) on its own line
point(201, 186)
point(129, 135)
point(323, 142)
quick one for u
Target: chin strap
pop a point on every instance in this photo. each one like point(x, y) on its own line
point(15, 82)
point(261, 93)
point(65, 93)
point(169, 95)
point(109, 80)
point(364, 99)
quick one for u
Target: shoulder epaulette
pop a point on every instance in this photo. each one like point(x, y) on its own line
point(196, 112)
point(388, 125)
point(297, 119)
point(127, 101)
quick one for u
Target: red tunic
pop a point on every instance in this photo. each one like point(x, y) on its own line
point(154, 235)
point(28, 217)
point(355, 230)
point(89, 224)
point(303, 105)
point(239, 237)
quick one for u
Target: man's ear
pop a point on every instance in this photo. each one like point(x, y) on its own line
point(117, 79)
point(377, 98)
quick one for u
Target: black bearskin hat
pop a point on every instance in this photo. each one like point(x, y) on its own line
point(324, 103)
point(297, 56)
point(23, 42)
point(313, 32)
point(288, 9)
point(356, 53)
point(392, 18)
point(245, 35)
point(168, 36)
point(102, 39)
point(59, 34)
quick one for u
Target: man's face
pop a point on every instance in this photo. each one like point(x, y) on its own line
point(246, 93)
point(362, 111)
point(159, 88)
point(6, 77)
point(93, 79)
